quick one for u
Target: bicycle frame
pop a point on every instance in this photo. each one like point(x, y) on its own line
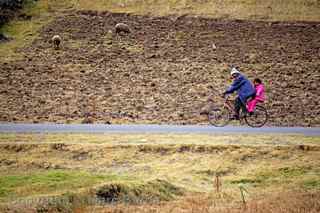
point(229, 105)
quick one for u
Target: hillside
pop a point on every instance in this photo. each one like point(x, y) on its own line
point(162, 72)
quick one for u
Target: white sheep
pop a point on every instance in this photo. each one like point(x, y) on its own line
point(56, 40)
point(121, 27)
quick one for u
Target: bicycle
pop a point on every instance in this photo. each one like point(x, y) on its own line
point(221, 116)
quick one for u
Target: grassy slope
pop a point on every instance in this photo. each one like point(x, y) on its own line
point(22, 31)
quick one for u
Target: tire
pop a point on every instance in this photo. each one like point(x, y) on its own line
point(259, 118)
point(219, 117)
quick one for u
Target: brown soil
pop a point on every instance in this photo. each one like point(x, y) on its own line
point(162, 72)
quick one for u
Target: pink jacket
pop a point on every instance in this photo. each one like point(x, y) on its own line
point(260, 92)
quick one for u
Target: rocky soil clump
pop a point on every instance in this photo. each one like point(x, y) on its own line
point(162, 72)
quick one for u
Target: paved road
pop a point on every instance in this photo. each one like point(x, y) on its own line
point(104, 128)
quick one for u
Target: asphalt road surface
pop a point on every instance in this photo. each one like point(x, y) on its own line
point(166, 129)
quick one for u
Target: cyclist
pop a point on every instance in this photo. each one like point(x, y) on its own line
point(243, 87)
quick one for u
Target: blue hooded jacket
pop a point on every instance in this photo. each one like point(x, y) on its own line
point(243, 87)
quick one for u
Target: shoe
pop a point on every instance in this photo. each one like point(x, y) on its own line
point(203, 113)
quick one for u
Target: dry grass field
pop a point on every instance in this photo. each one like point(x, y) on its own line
point(275, 10)
point(159, 173)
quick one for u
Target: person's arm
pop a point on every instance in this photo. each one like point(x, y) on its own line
point(236, 84)
point(259, 90)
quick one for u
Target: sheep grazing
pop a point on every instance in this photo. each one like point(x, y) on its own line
point(121, 27)
point(56, 40)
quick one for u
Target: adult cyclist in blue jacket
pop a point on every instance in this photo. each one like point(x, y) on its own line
point(244, 89)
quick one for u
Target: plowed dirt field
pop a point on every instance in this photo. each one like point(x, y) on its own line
point(162, 72)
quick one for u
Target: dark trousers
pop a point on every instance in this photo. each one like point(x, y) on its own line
point(238, 104)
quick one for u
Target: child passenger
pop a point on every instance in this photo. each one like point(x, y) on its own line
point(259, 95)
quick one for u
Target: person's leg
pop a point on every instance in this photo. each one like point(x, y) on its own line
point(251, 105)
point(243, 106)
point(237, 106)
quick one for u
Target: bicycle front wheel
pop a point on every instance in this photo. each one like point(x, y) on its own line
point(258, 118)
point(219, 117)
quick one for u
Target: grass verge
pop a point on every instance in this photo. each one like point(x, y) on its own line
point(158, 139)
point(48, 183)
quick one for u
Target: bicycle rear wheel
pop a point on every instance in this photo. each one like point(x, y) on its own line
point(258, 118)
point(219, 117)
